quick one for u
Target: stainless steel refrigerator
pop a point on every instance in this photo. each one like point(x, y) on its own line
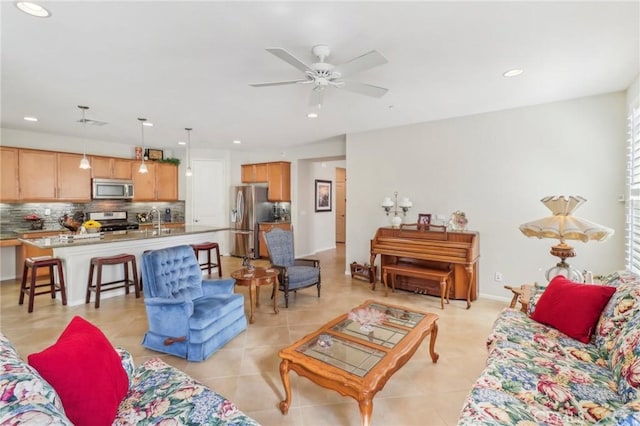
point(249, 206)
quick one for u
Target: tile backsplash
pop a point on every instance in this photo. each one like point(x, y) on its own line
point(11, 215)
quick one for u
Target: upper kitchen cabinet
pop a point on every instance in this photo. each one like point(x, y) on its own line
point(52, 176)
point(8, 174)
point(279, 174)
point(160, 183)
point(37, 175)
point(111, 168)
point(254, 173)
point(74, 183)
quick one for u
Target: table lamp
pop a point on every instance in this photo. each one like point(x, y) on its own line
point(562, 225)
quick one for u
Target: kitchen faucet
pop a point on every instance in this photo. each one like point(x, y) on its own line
point(153, 213)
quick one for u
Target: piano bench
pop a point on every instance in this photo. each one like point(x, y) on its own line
point(443, 277)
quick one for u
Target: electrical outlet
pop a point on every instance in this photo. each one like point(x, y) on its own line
point(498, 276)
point(47, 212)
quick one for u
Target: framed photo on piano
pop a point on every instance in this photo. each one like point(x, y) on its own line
point(424, 220)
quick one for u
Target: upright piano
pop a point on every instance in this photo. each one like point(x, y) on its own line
point(456, 251)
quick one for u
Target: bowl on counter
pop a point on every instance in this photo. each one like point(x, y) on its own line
point(36, 224)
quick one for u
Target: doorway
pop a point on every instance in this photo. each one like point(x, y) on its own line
point(341, 204)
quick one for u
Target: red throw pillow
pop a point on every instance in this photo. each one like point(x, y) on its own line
point(572, 308)
point(86, 372)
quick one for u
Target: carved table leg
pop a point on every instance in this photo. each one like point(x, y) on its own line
point(252, 301)
point(284, 374)
point(432, 343)
point(366, 409)
point(443, 291)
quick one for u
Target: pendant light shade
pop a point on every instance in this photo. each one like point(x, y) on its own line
point(189, 172)
point(143, 166)
point(84, 163)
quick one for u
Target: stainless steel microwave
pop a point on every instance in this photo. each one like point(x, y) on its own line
point(112, 189)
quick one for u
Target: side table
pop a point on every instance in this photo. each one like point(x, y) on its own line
point(254, 278)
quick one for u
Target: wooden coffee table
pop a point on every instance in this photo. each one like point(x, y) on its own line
point(254, 278)
point(356, 363)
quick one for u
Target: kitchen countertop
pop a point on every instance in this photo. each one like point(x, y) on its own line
point(276, 222)
point(118, 236)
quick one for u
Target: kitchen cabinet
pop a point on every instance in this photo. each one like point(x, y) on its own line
point(8, 174)
point(279, 183)
point(159, 184)
point(37, 175)
point(276, 174)
point(52, 176)
point(73, 183)
point(111, 168)
point(266, 227)
point(254, 173)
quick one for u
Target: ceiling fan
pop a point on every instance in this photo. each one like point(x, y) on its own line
point(323, 74)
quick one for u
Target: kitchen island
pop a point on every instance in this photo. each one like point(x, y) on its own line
point(76, 254)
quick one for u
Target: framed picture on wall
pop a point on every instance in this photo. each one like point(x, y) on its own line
point(323, 195)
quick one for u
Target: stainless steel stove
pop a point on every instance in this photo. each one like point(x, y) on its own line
point(113, 221)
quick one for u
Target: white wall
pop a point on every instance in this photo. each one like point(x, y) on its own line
point(496, 167)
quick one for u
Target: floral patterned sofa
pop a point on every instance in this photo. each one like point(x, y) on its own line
point(536, 375)
point(158, 394)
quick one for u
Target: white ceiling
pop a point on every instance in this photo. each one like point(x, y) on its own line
point(189, 64)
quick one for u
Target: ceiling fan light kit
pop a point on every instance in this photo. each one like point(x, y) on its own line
point(324, 74)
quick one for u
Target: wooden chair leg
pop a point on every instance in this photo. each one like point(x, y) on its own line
point(87, 298)
point(63, 288)
point(32, 289)
point(23, 285)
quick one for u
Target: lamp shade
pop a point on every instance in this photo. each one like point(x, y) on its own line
point(562, 225)
point(387, 202)
point(405, 202)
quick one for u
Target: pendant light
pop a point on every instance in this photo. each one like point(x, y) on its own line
point(189, 172)
point(84, 163)
point(143, 166)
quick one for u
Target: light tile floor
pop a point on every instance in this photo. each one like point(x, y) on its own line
point(246, 369)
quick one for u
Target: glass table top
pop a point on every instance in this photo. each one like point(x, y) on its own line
point(349, 356)
point(355, 358)
point(380, 334)
point(397, 316)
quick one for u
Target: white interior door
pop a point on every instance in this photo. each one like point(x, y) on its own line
point(209, 193)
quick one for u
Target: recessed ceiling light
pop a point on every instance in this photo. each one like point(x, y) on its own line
point(512, 73)
point(33, 9)
point(148, 124)
point(237, 142)
point(182, 143)
point(312, 115)
point(34, 119)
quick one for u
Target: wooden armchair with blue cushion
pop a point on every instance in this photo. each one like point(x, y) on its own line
point(294, 274)
point(188, 316)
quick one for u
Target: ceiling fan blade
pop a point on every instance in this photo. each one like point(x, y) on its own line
point(364, 89)
point(289, 58)
point(316, 98)
point(279, 83)
point(361, 63)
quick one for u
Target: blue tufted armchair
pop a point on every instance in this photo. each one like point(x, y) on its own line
point(188, 316)
point(294, 274)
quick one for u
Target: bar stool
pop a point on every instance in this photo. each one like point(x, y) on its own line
point(208, 265)
point(34, 263)
point(120, 259)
